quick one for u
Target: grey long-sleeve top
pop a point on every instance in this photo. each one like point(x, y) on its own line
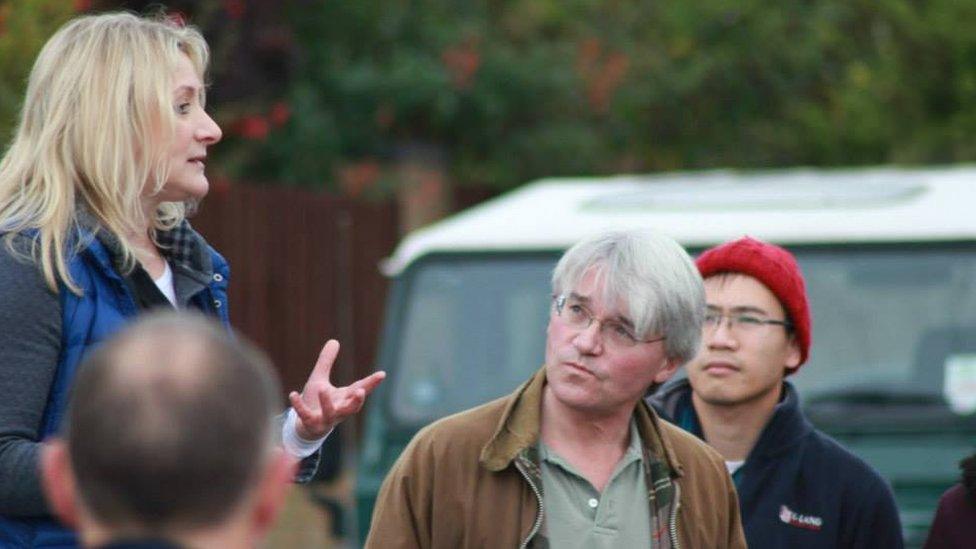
point(30, 340)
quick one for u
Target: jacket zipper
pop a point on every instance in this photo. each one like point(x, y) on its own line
point(673, 526)
point(538, 498)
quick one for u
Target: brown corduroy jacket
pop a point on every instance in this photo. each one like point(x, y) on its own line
point(465, 481)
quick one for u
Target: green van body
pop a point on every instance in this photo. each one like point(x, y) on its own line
point(889, 256)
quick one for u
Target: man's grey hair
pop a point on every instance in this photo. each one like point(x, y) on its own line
point(651, 276)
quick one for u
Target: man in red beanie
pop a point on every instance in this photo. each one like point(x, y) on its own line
point(797, 487)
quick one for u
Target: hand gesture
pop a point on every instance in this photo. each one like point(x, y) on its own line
point(321, 405)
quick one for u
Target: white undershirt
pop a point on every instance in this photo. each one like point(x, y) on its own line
point(734, 466)
point(165, 283)
point(294, 444)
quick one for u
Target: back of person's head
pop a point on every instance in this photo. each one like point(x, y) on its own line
point(651, 275)
point(95, 125)
point(968, 467)
point(777, 269)
point(169, 428)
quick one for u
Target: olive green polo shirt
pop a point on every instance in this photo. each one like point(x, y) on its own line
point(577, 515)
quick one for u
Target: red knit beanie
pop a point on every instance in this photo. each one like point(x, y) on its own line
point(776, 268)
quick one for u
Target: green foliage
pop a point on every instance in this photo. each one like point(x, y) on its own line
point(504, 91)
point(24, 27)
point(514, 90)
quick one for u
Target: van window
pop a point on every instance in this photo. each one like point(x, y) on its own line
point(474, 328)
point(886, 321)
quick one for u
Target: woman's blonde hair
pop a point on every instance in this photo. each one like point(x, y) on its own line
point(94, 130)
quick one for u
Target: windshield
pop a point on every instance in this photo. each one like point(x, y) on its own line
point(887, 320)
point(473, 329)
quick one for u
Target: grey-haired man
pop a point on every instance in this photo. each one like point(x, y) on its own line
point(574, 458)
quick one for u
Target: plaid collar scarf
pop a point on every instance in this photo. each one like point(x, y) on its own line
point(181, 246)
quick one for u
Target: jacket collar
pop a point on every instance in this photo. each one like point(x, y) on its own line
point(519, 426)
point(183, 247)
point(786, 426)
point(187, 251)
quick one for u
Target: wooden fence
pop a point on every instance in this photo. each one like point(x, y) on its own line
point(303, 270)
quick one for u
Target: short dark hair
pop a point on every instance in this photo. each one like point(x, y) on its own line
point(968, 467)
point(170, 423)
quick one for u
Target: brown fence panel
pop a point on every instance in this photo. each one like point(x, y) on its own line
point(303, 270)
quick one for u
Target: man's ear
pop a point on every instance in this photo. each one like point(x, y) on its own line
point(792, 356)
point(58, 481)
point(274, 483)
point(670, 366)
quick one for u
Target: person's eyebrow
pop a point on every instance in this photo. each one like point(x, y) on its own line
point(739, 309)
point(187, 90)
point(619, 318)
point(578, 297)
point(624, 321)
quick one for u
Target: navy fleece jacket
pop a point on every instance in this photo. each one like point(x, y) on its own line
point(799, 488)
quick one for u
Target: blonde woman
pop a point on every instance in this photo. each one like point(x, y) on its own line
point(108, 155)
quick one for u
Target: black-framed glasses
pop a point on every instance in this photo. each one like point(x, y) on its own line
point(575, 315)
point(741, 322)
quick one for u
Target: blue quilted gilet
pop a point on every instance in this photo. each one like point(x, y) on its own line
point(105, 306)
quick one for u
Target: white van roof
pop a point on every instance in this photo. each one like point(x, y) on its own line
point(796, 206)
